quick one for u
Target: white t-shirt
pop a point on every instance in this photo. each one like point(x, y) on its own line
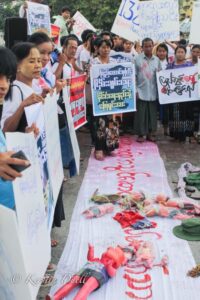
point(85, 56)
point(78, 55)
point(68, 71)
point(164, 64)
point(11, 105)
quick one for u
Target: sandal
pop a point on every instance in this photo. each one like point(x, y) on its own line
point(47, 281)
point(99, 155)
point(54, 243)
point(51, 267)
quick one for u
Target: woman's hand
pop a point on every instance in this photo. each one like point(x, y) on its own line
point(6, 172)
point(60, 84)
point(33, 129)
point(32, 99)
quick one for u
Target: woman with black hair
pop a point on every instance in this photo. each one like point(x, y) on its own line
point(21, 92)
point(8, 68)
point(181, 121)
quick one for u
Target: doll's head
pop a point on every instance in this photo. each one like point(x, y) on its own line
point(116, 255)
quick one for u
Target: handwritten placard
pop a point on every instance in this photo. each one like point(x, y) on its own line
point(38, 17)
point(159, 20)
point(127, 20)
point(30, 208)
point(113, 88)
point(177, 85)
point(194, 32)
point(81, 24)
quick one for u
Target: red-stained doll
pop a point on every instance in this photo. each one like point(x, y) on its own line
point(94, 273)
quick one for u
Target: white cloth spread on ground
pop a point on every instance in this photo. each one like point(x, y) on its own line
point(135, 167)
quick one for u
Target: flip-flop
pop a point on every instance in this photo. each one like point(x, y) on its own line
point(48, 281)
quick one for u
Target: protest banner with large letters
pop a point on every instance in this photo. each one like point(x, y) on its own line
point(159, 20)
point(38, 17)
point(81, 24)
point(177, 85)
point(72, 132)
point(113, 88)
point(122, 57)
point(14, 274)
point(30, 208)
point(126, 23)
point(77, 100)
point(35, 114)
point(194, 32)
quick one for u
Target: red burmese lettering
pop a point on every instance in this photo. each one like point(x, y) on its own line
point(133, 296)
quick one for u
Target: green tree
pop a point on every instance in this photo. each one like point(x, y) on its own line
point(100, 13)
point(7, 9)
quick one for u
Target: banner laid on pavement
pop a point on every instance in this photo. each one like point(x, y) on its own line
point(113, 88)
point(177, 85)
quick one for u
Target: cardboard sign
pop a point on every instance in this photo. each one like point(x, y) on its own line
point(81, 24)
point(177, 85)
point(38, 17)
point(113, 88)
point(77, 101)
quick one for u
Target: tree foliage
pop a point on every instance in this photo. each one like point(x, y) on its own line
point(7, 9)
point(101, 13)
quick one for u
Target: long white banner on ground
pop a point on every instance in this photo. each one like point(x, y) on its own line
point(135, 167)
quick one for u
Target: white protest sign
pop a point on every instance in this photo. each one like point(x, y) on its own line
point(159, 20)
point(72, 132)
point(194, 32)
point(81, 24)
point(14, 283)
point(38, 17)
point(177, 85)
point(30, 208)
point(35, 114)
point(126, 23)
point(53, 144)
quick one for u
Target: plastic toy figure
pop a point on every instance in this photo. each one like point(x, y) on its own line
point(94, 273)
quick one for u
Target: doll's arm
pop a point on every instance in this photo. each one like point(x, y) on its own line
point(90, 255)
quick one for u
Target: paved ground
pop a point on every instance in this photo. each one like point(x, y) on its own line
point(173, 154)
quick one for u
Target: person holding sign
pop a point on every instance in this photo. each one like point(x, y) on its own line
point(106, 130)
point(24, 7)
point(8, 67)
point(181, 121)
point(146, 66)
point(65, 22)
